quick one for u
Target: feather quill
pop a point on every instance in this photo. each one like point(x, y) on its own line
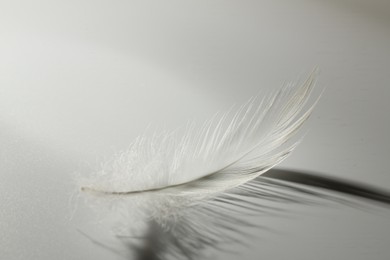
point(181, 186)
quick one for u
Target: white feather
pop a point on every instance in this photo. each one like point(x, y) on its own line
point(176, 182)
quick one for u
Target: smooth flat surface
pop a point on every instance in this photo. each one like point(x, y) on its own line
point(80, 80)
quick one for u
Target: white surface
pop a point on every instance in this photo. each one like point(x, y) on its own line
point(80, 79)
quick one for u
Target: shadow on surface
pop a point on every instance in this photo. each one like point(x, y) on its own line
point(300, 182)
point(329, 183)
point(278, 185)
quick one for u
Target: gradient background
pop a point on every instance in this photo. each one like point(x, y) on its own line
point(81, 79)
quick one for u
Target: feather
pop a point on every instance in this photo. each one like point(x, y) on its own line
point(181, 185)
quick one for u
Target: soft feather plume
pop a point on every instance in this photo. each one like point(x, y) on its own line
point(185, 188)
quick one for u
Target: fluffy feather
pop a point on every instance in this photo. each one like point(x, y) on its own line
point(180, 185)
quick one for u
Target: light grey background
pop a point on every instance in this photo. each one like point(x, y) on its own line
point(80, 80)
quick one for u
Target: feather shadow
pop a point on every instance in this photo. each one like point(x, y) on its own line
point(157, 241)
point(334, 184)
